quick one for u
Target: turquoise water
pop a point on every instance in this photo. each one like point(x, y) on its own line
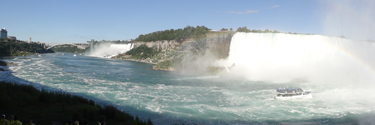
point(169, 98)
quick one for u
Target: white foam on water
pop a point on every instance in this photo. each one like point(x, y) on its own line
point(202, 99)
point(200, 77)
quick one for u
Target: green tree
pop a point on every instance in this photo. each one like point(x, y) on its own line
point(224, 29)
point(17, 48)
point(179, 34)
point(243, 29)
point(142, 52)
point(68, 49)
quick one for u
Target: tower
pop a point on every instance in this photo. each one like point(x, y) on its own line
point(30, 40)
point(4, 33)
point(92, 45)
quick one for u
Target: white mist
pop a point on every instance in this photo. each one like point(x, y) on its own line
point(279, 57)
point(110, 50)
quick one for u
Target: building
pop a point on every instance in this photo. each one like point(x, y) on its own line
point(81, 45)
point(4, 33)
point(12, 38)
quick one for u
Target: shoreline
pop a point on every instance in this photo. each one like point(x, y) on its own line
point(67, 106)
point(134, 60)
point(170, 69)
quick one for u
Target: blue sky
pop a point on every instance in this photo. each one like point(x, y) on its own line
point(78, 21)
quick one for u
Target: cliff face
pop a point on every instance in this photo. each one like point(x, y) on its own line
point(201, 54)
point(159, 45)
point(212, 41)
point(218, 43)
point(192, 55)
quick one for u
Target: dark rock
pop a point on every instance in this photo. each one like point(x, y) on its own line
point(3, 63)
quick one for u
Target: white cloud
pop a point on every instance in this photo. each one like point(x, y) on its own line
point(244, 12)
point(276, 6)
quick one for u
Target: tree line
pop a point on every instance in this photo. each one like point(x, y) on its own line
point(172, 34)
point(190, 32)
point(114, 41)
point(17, 48)
point(67, 49)
point(245, 29)
point(142, 52)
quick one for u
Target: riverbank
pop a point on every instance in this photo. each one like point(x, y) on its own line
point(128, 57)
point(46, 107)
point(2, 63)
point(21, 48)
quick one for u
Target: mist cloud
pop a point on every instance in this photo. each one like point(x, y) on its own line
point(353, 19)
point(109, 50)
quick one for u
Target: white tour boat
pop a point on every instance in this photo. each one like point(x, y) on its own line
point(292, 93)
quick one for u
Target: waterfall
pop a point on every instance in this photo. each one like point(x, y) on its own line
point(280, 57)
point(110, 50)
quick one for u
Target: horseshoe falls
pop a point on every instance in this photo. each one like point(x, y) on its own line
point(338, 72)
point(279, 57)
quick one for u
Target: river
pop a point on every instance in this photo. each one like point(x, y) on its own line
point(169, 98)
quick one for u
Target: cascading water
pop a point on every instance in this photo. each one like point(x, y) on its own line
point(280, 57)
point(110, 50)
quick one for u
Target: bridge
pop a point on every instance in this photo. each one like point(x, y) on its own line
point(79, 45)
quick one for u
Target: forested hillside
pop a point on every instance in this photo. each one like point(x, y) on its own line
point(172, 34)
point(19, 48)
point(68, 49)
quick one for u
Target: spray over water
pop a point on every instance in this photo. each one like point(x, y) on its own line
point(353, 19)
point(110, 50)
point(279, 57)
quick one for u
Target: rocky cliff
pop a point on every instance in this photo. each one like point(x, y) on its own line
point(191, 55)
point(159, 45)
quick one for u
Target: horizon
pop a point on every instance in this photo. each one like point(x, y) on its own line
point(78, 22)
